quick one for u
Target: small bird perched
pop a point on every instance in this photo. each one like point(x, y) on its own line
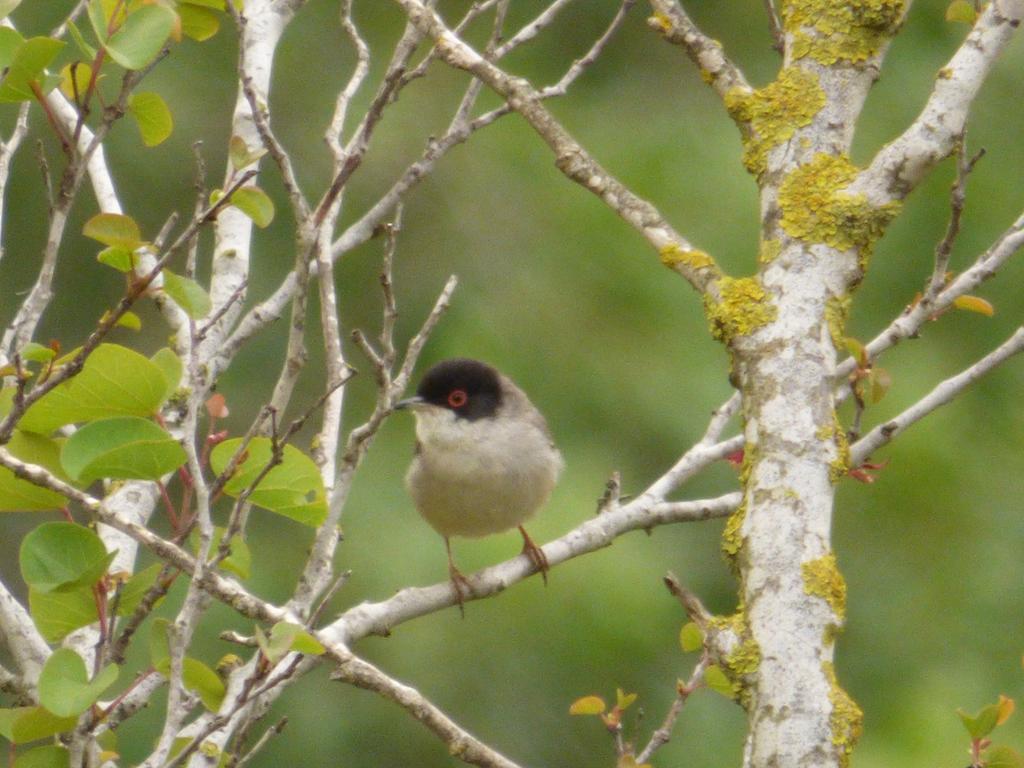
point(485, 460)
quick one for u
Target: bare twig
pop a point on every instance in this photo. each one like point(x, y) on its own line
point(677, 27)
point(943, 251)
point(261, 742)
point(570, 157)
point(775, 27)
point(941, 394)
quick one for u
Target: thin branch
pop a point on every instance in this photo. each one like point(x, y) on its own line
point(676, 26)
point(775, 27)
point(940, 395)
point(591, 535)
point(902, 164)
point(263, 740)
point(909, 324)
point(461, 743)
point(261, 119)
point(943, 251)
point(570, 157)
point(531, 29)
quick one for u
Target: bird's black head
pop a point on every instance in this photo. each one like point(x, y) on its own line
point(468, 388)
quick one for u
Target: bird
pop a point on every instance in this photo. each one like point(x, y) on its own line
point(484, 460)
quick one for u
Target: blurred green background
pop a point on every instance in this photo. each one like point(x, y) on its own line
point(561, 295)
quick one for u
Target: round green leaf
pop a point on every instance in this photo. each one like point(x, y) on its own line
point(142, 35)
point(28, 66)
point(136, 588)
point(62, 556)
point(152, 116)
point(10, 41)
point(293, 488)
point(17, 495)
point(125, 447)
point(115, 230)
point(64, 685)
point(717, 681)
point(170, 366)
point(50, 756)
point(204, 682)
point(115, 381)
point(187, 294)
point(691, 638)
point(198, 23)
point(1001, 756)
point(254, 203)
point(58, 614)
point(24, 724)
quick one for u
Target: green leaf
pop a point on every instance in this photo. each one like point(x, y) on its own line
point(880, 381)
point(58, 614)
point(196, 676)
point(129, 320)
point(142, 35)
point(98, 19)
point(62, 556)
point(27, 66)
point(64, 685)
point(962, 11)
point(115, 230)
point(293, 488)
point(285, 637)
point(1003, 757)
point(588, 705)
point(981, 724)
point(217, 5)
point(10, 41)
point(136, 588)
point(170, 366)
point(36, 353)
point(717, 681)
point(123, 448)
point(74, 80)
point(121, 259)
point(76, 34)
point(204, 682)
point(152, 116)
point(240, 155)
point(24, 724)
point(197, 22)
point(115, 381)
point(17, 495)
point(254, 203)
point(238, 562)
point(691, 638)
point(305, 643)
point(623, 700)
point(159, 650)
point(6, 6)
point(50, 756)
point(187, 294)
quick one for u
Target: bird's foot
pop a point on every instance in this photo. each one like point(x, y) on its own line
point(536, 555)
point(461, 586)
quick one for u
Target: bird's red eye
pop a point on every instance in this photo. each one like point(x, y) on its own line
point(457, 398)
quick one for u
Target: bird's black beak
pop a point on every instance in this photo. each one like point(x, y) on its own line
point(409, 402)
